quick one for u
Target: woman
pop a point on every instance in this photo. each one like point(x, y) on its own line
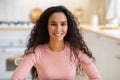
point(55, 48)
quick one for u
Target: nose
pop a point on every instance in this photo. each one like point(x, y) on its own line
point(58, 28)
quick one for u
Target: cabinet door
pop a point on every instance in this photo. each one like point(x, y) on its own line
point(114, 60)
point(107, 54)
point(98, 46)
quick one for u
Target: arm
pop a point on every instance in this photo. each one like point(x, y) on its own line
point(89, 67)
point(24, 67)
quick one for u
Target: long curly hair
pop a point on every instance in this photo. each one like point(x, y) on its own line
point(39, 34)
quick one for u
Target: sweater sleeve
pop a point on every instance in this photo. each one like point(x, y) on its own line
point(89, 67)
point(24, 67)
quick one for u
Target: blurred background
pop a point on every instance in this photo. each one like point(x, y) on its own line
point(99, 21)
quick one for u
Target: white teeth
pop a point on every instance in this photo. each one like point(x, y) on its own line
point(57, 34)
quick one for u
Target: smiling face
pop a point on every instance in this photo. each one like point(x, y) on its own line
point(57, 26)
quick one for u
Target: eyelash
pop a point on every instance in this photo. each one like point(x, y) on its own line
point(53, 24)
point(56, 24)
point(63, 24)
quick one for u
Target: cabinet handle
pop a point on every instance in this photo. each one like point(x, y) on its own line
point(119, 44)
point(97, 36)
point(118, 57)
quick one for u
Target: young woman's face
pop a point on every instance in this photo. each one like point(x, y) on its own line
point(57, 26)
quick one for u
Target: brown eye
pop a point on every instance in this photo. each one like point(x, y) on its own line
point(63, 24)
point(53, 24)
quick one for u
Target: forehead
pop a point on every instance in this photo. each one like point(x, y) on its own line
point(58, 16)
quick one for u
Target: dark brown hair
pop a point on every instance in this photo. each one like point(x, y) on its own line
point(39, 34)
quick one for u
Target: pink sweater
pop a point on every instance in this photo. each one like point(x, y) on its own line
point(52, 65)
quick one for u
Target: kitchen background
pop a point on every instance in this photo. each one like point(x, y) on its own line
point(100, 21)
point(17, 10)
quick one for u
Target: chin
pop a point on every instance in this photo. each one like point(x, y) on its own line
point(59, 39)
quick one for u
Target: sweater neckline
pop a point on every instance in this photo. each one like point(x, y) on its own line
point(55, 52)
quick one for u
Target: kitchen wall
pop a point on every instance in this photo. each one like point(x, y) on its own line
point(18, 10)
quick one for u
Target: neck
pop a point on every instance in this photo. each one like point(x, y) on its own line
point(56, 46)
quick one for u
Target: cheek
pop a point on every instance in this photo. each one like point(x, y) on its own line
point(50, 29)
point(66, 30)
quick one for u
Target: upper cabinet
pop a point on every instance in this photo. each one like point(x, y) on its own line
point(113, 12)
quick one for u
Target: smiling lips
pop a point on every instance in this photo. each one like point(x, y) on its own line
point(57, 34)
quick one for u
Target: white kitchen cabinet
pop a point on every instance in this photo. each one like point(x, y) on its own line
point(107, 53)
point(12, 44)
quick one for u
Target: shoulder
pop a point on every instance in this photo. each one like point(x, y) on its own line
point(34, 55)
point(84, 58)
point(39, 50)
point(35, 50)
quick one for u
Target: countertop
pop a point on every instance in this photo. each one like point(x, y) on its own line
point(111, 32)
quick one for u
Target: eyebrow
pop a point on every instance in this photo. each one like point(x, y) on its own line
point(55, 21)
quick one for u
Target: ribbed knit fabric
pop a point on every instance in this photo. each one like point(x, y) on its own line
point(52, 65)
